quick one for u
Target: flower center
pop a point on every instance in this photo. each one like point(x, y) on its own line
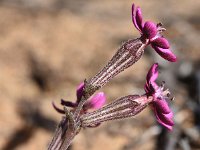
point(162, 93)
point(160, 29)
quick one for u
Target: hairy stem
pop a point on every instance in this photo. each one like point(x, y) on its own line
point(121, 108)
point(129, 53)
point(57, 140)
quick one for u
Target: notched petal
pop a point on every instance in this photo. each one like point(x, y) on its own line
point(96, 101)
point(139, 18)
point(150, 85)
point(152, 75)
point(165, 53)
point(146, 87)
point(162, 106)
point(161, 42)
point(68, 103)
point(169, 127)
point(164, 119)
point(134, 20)
point(149, 29)
point(58, 109)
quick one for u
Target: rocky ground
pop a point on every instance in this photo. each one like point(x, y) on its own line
point(47, 47)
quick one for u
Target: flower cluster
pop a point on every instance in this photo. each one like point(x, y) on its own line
point(89, 110)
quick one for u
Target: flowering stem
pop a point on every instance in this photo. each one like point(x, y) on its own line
point(128, 106)
point(130, 52)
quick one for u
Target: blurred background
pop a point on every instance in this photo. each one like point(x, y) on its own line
point(47, 47)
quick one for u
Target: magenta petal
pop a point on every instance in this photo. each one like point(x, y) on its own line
point(150, 88)
point(96, 101)
point(161, 42)
point(79, 91)
point(139, 18)
point(162, 106)
point(134, 19)
point(146, 87)
point(164, 119)
point(163, 113)
point(68, 103)
point(149, 29)
point(165, 53)
point(153, 73)
point(58, 109)
point(169, 115)
point(169, 127)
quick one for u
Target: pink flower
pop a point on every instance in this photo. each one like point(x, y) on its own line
point(151, 32)
point(94, 102)
point(160, 107)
